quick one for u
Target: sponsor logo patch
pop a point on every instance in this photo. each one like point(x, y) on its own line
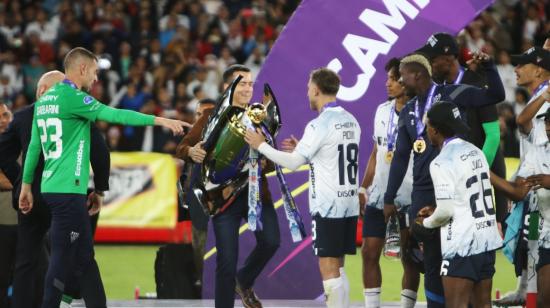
point(88, 99)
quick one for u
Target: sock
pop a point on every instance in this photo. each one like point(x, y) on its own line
point(372, 297)
point(334, 292)
point(408, 298)
point(522, 283)
point(346, 286)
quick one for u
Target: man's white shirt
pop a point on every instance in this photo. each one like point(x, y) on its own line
point(537, 161)
point(331, 146)
point(460, 174)
point(382, 171)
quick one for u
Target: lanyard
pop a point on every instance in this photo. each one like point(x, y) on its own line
point(420, 125)
point(70, 83)
point(392, 128)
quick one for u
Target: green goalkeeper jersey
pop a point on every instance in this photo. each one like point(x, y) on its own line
point(61, 131)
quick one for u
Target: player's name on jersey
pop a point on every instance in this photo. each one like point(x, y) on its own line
point(47, 109)
point(348, 134)
point(345, 125)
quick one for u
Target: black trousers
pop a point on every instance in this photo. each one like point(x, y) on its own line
point(71, 252)
point(8, 239)
point(226, 229)
point(433, 287)
point(31, 256)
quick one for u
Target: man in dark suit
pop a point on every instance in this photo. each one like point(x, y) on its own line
point(226, 223)
point(31, 256)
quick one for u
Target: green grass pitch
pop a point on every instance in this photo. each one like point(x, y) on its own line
point(124, 267)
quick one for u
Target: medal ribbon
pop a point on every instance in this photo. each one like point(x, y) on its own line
point(542, 85)
point(295, 223)
point(254, 200)
point(70, 83)
point(392, 130)
point(460, 76)
point(420, 126)
point(254, 178)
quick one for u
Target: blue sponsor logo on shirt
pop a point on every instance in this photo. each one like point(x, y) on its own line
point(88, 99)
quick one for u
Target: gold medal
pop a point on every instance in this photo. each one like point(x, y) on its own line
point(419, 146)
point(389, 156)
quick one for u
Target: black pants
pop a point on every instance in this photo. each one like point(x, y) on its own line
point(8, 239)
point(32, 256)
point(71, 251)
point(226, 229)
point(433, 285)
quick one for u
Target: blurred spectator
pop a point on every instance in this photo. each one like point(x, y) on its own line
point(509, 143)
point(134, 99)
point(255, 62)
point(19, 102)
point(46, 30)
point(32, 72)
point(520, 100)
point(507, 75)
point(7, 90)
point(533, 23)
point(198, 95)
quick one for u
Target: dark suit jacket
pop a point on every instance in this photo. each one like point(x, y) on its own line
point(15, 140)
point(194, 137)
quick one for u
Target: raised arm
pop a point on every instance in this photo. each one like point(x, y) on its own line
point(488, 117)
point(469, 96)
point(526, 116)
point(516, 191)
point(292, 160)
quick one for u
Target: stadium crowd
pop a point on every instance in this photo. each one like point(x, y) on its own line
point(166, 58)
point(167, 55)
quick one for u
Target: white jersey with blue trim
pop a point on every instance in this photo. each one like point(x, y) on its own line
point(331, 146)
point(537, 135)
point(537, 161)
point(460, 174)
point(382, 171)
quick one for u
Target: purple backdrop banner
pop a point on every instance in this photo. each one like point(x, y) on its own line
point(356, 39)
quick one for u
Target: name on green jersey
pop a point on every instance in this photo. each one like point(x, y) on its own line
point(47, 109)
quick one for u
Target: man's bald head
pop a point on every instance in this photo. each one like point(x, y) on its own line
point(47, 81)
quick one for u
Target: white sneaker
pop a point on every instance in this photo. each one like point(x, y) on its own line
point(65, 302)
point(64, 305)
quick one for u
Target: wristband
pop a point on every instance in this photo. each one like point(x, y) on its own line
point(362, 190)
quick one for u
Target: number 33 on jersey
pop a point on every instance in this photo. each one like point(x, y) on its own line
point(331, 146)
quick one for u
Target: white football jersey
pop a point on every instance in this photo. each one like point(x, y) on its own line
point(537, 161)
point(331, 146)
point(460, 174)
point(382, 171)
point(537, 135)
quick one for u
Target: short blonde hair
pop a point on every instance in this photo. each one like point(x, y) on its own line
point(419, 59)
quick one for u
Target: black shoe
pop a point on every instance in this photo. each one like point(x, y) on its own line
point(248, 297)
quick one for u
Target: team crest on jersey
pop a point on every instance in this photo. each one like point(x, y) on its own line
point(437, 98)
point(88, 100)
